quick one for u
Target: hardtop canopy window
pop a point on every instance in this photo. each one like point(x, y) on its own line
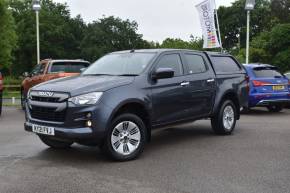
point(68, 67)
point(195, 63)
point(225, 64)
point(120, 64)
point(263, 72)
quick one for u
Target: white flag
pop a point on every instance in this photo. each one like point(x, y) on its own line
point(206, 14)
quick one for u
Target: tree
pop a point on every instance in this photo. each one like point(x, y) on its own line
point(60, 35)
point(280, 10)
point(8, 37)
point(194, 43)
point(111, 34)
point(233, 22)
point(273, 47)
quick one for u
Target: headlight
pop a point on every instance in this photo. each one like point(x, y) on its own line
point(86, 99)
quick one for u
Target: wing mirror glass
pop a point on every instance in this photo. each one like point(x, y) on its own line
point(162, 73)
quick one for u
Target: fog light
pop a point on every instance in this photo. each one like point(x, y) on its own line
point(89, 123)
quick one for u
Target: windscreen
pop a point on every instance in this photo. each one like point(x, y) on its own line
point(68, 67)
point(120, 64)
point(266, 72)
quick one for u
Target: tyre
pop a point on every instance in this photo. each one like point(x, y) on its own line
point(55, 144)
point(224, 122)
point(125, 139)
point(1, 102)
point(275, 108)
point(23, 99)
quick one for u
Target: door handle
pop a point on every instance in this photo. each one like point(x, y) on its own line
point(184, 84)
point(210, 80)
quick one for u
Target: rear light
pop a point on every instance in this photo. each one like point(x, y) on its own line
point(257, 83)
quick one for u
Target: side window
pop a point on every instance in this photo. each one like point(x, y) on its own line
point(225, 64)
point(195, 64)
point(42, 69)
point(38, 69)
point(171, 61)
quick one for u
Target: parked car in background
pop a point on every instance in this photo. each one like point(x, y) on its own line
point(49, 69)
point(120, 98)
point(268, 87)
point(288, 75)
point(1, 92)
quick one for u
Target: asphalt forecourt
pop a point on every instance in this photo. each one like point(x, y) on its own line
point(188, 158)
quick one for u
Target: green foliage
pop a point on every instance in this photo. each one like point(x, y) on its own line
point(60, 35)
point(273, 47)
point(194, 43)
point(8, 37)
point(233, 22)
point(111, 34)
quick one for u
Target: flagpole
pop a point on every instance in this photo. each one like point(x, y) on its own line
point(219, 31)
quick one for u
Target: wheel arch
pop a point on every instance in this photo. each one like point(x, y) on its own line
point(228, 95)
point(137, 107)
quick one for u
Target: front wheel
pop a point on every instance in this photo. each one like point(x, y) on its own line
point(224, 122)
point(55, 144)
point(275, 108)
point(126, 138)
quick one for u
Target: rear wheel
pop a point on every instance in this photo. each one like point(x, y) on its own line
point(126, 138)
point(224, 122)
point(53, 143)
point(275, 108)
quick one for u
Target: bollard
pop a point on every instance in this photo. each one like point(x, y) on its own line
point(13, 100)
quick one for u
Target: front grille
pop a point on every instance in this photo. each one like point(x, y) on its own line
point(47, 114)
point(45, 99)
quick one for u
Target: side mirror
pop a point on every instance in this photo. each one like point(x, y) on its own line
point(25, 74)
point(162, 73)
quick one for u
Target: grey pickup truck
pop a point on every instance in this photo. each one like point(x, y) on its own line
point(123, 96)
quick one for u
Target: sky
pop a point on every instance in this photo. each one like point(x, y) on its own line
point(157, 19)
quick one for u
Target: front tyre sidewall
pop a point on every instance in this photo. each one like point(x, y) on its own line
point(108, 147)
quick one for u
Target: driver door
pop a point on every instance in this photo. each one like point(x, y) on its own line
point(169, 100)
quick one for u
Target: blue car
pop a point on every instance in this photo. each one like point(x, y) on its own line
point(267, 87)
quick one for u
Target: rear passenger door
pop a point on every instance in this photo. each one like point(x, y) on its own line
point(169, 100)
point(200, 91)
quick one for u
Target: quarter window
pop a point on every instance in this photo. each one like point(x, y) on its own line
point(195, 63)
point(172, 61)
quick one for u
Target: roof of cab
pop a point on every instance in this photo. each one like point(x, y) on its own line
point(167, 50)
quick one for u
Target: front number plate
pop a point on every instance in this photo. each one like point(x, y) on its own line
point(43, 130)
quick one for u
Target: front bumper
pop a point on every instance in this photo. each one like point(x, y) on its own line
point(74, 127)
point(67, 133)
